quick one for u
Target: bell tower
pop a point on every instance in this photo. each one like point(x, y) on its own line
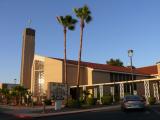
point(28, 49)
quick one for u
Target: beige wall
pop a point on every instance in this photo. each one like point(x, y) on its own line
point(0, 85)
point(158, 68)
point(138, 77)
point(100, 77)
point(52, 71)
point(72, 75)
point(90, 76)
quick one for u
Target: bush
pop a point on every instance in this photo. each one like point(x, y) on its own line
point(82, 101)
point(91, 101)
point(125, 94)
point(117, 98)
point(152, 100)
point(106, 99)
point(35, 103)
point(74, 103)
point(48, 102)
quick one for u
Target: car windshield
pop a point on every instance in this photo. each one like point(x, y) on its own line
point(133, 98)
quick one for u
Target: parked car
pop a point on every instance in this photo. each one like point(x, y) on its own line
point(133, 102)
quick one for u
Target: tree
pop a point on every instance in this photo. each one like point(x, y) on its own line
point(84, 14)
point(21, 92)
point(115, 62)
point(5, 94)
point(67, 22)
point(0, 95)
point(14, 96)
point(86, 94)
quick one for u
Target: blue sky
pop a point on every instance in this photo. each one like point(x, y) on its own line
point(118, 25)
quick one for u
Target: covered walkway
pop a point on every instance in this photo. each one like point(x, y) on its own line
point(151, 87)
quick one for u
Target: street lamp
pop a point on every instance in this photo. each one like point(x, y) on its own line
point(15, 80)
point(130, 55)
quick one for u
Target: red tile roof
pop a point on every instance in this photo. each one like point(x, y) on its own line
point(150, 70)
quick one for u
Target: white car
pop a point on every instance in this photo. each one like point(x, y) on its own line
point(133, 102)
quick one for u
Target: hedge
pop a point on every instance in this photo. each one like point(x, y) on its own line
point(106, 99)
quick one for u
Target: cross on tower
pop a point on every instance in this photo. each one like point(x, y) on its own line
point(29, 22)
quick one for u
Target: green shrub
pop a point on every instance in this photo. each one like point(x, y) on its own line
point(106, 99)
point(35, 103)
point(152, 100)
point(98, 96)
point(82, 101)
point(74, 103)
point(48, 102)
point(91, 101)
point(117, 98)
point(127, 93)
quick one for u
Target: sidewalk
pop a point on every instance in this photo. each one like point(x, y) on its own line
point(24, 112)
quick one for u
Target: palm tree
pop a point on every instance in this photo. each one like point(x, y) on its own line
point(21, 92)
point(5, 94)
point(0, 95)
point(14, 96)
point(67, 22)
point(84, 14)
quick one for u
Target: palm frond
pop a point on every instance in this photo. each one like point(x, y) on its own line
point(83, 13)
point(75, 10)
point(71, 27)
point(68, 18)
point(60, 19)
point(67, 21)
point(74, 21)
point(88, 19)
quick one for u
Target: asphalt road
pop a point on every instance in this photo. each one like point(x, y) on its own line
point(100, 115)
point(6, 117)
point(108, 115)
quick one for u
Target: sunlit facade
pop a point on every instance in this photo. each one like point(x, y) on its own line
point(47, 72)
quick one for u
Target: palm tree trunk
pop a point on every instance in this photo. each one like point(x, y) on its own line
point(79, 59)
point(65, 63)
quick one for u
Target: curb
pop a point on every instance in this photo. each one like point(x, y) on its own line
point(74, 112)
point(19, 116)
point(22, 116)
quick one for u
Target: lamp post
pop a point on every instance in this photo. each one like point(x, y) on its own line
point(130, 55)
point(15, 81)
